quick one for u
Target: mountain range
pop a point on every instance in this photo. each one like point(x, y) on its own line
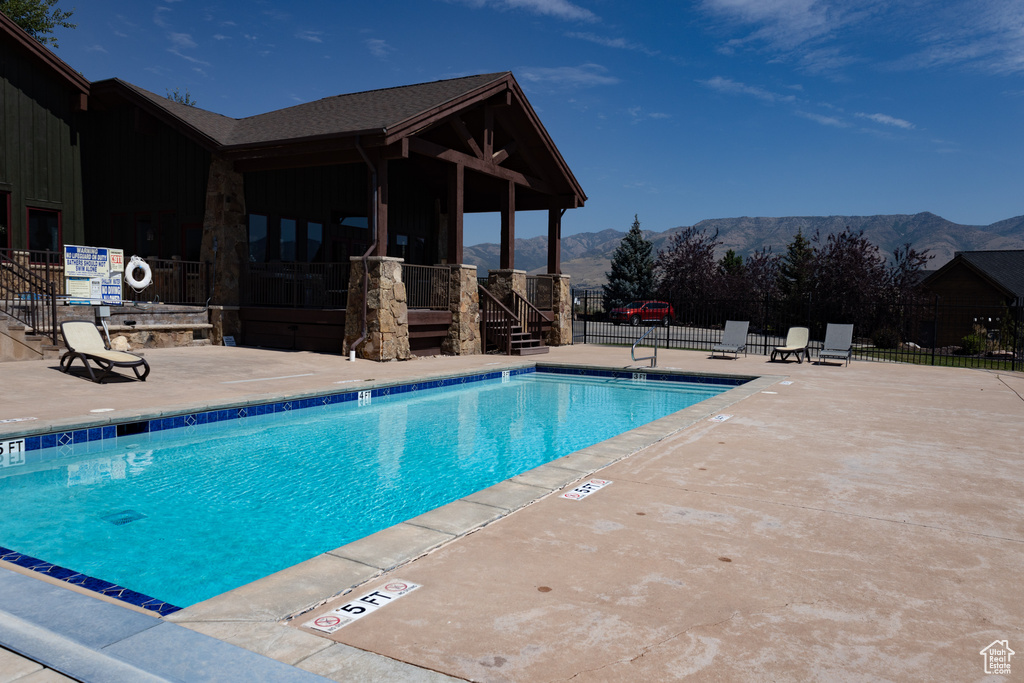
point(586, 256)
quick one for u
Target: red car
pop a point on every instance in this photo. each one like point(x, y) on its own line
point(643, 311)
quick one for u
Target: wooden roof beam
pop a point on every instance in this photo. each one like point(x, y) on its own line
point(467, 137)
point(488, 167)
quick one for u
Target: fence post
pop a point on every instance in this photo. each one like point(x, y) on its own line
point(935, 326)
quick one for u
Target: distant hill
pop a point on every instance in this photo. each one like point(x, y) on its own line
point(586, 256)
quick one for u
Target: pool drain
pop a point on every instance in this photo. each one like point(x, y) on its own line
point(122, 518)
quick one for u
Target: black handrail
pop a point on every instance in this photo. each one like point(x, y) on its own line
point(28, 298)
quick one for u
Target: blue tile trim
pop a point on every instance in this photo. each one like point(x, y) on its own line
point(99, 434)
point(658, 376)
point(96, 585)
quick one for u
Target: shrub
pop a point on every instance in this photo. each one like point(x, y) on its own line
point(886, 338)
point(972, 344)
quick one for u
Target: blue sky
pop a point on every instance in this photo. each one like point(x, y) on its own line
point(675, 111)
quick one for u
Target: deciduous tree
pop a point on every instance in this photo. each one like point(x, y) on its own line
point(689, 273)
point(38, 18)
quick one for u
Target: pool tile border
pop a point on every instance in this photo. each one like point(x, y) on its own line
point(82, 441)
point(111, 590)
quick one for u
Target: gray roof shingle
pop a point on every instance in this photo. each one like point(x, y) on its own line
point(372, 110)
point(1005, 267)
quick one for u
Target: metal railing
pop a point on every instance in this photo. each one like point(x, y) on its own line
point(654, 358)
point(427, 287)
point(28, 297)
point(185, 283)
point(929, 330)
point(497, 323)
point(295, 285)
point(530, 318)
point(540, 291)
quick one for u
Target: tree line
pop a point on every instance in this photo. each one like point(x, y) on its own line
point(840, 273)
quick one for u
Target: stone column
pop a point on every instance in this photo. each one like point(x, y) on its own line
point(501, 283)
point(225, 244)
point(561, 305)
point(464, 304)
point(387, 313)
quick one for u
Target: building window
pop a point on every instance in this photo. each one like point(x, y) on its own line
point(287, 239)
point(5, 220)
point(257, 238)
point(43, 230)
point(314, 240)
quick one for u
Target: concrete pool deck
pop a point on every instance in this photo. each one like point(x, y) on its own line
point(861, 522)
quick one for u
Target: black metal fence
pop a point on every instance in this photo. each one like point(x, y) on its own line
point(295, 285)
point(186, 283)
point(929, 331)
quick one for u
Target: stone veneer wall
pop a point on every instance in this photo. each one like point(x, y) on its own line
point(561, 305)
point(387, 315)
point(464, 304)
point(225, 244)
point(501, 283)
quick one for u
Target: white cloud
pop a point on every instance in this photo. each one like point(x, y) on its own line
point(379, 48)
point(561, 9)
point(583, 75)
point(639, 115)
point(887, 120)
point(96, 48)
point(823, 120)
point(731, 87)
point(310, 36)
point(616, 43)
point(182, 41)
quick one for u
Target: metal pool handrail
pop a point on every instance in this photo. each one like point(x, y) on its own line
point(654, 358)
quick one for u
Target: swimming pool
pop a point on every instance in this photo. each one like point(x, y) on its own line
point(195, 505)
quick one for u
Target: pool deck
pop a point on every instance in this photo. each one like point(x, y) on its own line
point(861, 522)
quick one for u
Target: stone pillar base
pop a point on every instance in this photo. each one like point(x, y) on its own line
point(464, 303)
point(387, 313)
point(501, 283)
point(227, 322)
point(561, 305)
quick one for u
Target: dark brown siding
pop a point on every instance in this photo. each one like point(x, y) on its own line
point(137, 168)
point(40, 156)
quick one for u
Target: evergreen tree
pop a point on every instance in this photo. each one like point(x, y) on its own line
point(632, 274)
point(797, 268)
point(37, 18)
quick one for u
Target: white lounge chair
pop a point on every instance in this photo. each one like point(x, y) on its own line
point(838, 343)
point(734, 339)
point(84, 341)
point(796, 344)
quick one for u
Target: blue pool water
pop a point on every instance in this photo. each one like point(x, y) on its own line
point(185, 514)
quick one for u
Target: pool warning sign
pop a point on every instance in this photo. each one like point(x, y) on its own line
point(360, 607)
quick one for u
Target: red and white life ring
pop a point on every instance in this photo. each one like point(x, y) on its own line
point(138, 284)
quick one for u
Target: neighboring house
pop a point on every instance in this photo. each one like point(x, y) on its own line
point(43, 103)
point(378, 174)
point(983, 285)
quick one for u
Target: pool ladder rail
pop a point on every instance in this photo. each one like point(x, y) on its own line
point(654, 358)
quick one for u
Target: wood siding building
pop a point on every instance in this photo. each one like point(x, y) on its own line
point(42, 108)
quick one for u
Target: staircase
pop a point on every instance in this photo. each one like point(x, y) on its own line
point(28, 313)
point(513, 331)
point(19, 342)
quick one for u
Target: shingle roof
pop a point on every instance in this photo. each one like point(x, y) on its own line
point(1005, 267)
point(372, 110)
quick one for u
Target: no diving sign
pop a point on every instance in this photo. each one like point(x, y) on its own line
point(360, 607)
point(585, 489)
